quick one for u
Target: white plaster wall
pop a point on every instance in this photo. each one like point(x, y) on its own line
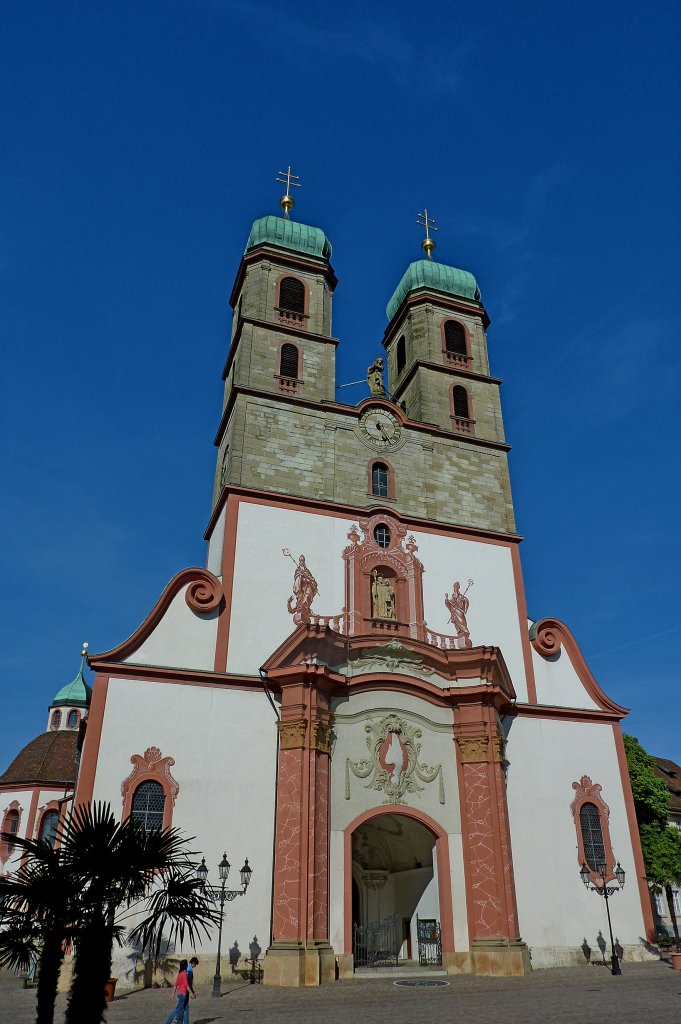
point(263, 578)
point(558, 683)
point(182, 639)
point(555, 910)
point(224, 744)
point(215, 544)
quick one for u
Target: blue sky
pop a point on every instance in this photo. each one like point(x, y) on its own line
point(141, 140)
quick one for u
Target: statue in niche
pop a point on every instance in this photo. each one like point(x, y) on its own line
point(375, 377)
point(382, 597)
point(304, 590)
point(457, 605)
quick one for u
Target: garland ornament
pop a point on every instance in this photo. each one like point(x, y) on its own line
point(393, 764)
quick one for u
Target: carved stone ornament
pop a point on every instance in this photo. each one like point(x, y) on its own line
point(320, 736)
point(150, 764)
point(498, 749)
point(393, 763)
point(391, 657)
point(292, 734)
point(474, 749)
point(204, 592)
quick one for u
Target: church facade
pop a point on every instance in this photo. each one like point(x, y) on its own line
point(350, 692)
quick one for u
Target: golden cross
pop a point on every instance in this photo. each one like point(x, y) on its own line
point(427, 222)
point(286, 201)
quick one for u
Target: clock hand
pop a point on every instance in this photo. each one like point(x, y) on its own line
point(379, 427)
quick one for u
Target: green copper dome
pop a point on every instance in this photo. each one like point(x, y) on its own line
point(75, 694)
point(289, 234)
point(426, 274)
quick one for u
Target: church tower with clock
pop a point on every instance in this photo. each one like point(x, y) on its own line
point(350, 692)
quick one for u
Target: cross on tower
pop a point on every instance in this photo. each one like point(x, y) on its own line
point(427, 222)
point(286, 201)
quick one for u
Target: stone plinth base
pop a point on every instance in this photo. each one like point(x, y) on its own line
point(457, 963)
point(500, 957)
point(298, 964)
point(346, 966)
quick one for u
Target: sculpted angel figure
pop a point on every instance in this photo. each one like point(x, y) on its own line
point(457, 606)
point(375, 377)
point(304, 590)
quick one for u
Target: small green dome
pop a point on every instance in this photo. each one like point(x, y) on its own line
point(438, 277)
point(75, 694)
point(289, 234)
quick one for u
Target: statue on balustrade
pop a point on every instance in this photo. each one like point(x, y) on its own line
point(457, 606)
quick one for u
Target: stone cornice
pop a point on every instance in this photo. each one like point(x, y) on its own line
point(287, 259)
point(279, 328)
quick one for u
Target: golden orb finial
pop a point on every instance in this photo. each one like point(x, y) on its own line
point(84, 650)
point(290, 180)
point(424, 220)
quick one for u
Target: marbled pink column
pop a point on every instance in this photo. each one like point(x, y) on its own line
point(318, 879)
point(288, 855)
point(486, 885)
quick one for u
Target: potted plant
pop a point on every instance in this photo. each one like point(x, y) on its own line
point(664, 943)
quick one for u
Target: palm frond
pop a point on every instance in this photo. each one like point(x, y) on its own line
point(177, 908)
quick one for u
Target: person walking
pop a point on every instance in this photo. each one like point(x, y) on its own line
point(182, 991)
point(194, 962)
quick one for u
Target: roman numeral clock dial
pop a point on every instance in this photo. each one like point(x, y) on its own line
point(381, 429)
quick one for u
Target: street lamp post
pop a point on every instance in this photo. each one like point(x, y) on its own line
point(220, 894)
point(606, 891)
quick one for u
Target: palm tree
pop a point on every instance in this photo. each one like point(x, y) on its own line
point(37, 904)
point(120, 867)
point(100, 873)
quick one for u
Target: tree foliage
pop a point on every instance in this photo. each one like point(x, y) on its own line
point(660, 842)
point(80, 892)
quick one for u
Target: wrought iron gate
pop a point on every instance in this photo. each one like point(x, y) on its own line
point(430, 943)
point(376, 943)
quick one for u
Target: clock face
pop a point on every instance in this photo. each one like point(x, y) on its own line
point(381, 429)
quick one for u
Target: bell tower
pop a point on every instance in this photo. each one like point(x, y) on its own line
point(438, 369)
point(281, 343)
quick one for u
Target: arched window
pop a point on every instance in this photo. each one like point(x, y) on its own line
point(592, 836)
point(401, 354)
point(460, 397)
point(48, 827)
point(56, 719)
point(148, 803)
point(292, 295)
point(288, 362)
point(379, 479)
point(382, 535)
point(11, 825)
point(72, 720)
point(455, 338)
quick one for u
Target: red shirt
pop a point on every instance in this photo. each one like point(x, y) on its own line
point(181, 984)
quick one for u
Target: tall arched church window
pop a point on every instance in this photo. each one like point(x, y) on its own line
point(592, 836)
point(401, 354)
point(11, 826)
point(56, 719)
point(288, 362)
point(148, 803)
point(48, 827)
point(72, 720)
point(292, 295)
point(379, 479)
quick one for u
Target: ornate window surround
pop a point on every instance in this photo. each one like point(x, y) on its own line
point(51, 805)
point(588, 792)
point(153, 766)
point(13, 808)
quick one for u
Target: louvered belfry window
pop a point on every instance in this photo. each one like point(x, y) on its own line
point(592, 836)
point(148, 803)
point(455, 337)
point(461, 402)
point(292, 295)
point(401, 354)
point(288, 363)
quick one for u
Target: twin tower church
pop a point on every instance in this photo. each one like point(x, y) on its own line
point(351, 693)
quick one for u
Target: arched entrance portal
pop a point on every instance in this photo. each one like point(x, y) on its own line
point(394, 882)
